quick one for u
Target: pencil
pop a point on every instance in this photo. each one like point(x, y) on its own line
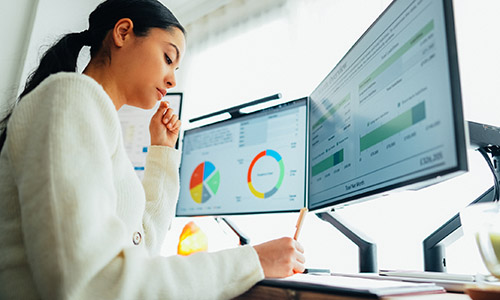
point(300, 221)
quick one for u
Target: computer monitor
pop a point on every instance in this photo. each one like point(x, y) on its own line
point(389, 114)
point(135, 128)
point(255, 163)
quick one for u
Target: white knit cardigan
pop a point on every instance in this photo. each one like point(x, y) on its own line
point(71, 207)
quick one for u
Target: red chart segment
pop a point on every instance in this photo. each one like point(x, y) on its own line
point(197, 177)
point(204, 183)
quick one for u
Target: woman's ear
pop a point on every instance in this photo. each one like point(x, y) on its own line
point(122, 31)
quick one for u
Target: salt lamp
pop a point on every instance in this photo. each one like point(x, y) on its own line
point(191, 240)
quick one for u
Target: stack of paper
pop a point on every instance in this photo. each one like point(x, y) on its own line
point(353, 285)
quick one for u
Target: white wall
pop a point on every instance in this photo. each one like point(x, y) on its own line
point(15, 21)
point(478, 39)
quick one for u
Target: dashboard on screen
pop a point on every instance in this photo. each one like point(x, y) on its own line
point(389, 114)
point(255, 163)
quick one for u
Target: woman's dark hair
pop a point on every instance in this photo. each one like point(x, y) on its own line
point(63, 55)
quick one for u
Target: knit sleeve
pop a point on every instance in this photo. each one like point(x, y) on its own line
point(161, 184)
point(77, 246)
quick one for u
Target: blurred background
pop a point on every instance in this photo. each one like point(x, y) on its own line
point(242, 50)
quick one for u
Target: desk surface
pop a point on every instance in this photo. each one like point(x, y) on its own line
point(275, 293)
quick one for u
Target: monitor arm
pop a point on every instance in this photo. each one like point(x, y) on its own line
point(435, 244)
point(244, 239)
point(367, 250)
point(486, 139)
point(235, 111)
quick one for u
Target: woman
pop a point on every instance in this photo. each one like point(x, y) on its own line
point(76, 221)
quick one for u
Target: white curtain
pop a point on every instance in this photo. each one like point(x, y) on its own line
point(285, 47)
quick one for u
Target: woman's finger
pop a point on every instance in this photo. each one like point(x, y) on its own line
point(300, 257)
point(167, 116)
point(160, 111)
point(177, 125)
point(299, 247)
point(172, 121)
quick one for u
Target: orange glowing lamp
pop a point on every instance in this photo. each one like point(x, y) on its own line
point(191, 240)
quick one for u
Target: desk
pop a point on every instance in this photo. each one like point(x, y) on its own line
point(275, 293)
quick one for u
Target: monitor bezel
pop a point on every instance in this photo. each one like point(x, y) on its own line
point(180, 95)
point(458, 117)
point(304, 101)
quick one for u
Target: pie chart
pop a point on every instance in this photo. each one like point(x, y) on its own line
point(204, 182)
point(273, 166)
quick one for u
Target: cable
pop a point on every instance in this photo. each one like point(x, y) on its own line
point(492, 168)
point(488, 161)
point(495, 155)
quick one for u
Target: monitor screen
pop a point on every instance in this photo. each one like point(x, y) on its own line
point(135, 128)
point(255, 163)
point(389, 114)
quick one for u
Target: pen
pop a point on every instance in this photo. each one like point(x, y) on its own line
point(300, 221)
point(317, 271)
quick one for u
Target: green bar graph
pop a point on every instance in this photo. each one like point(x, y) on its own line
point(329, 162)
point(394, 126)
point(400, 52)
point(332, 111)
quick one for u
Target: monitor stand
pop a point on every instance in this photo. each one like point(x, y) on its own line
point(484, 138)
point(435, 244)
point(244, 239)
point(367, 250)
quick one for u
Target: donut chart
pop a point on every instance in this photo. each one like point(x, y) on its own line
point(276, 156)
point(204, 182)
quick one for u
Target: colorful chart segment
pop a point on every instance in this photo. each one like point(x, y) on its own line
point(271, 192)
point(204, 182)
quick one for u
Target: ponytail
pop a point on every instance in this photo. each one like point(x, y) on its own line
point(63, 56)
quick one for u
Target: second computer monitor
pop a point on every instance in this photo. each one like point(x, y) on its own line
point(252, 164)
point(389, 115)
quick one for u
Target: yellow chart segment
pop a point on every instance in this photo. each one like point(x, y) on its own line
point(197, 192)
point(254, 191)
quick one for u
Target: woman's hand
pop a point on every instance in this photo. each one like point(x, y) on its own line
point(164, 126)
point(281, 258)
